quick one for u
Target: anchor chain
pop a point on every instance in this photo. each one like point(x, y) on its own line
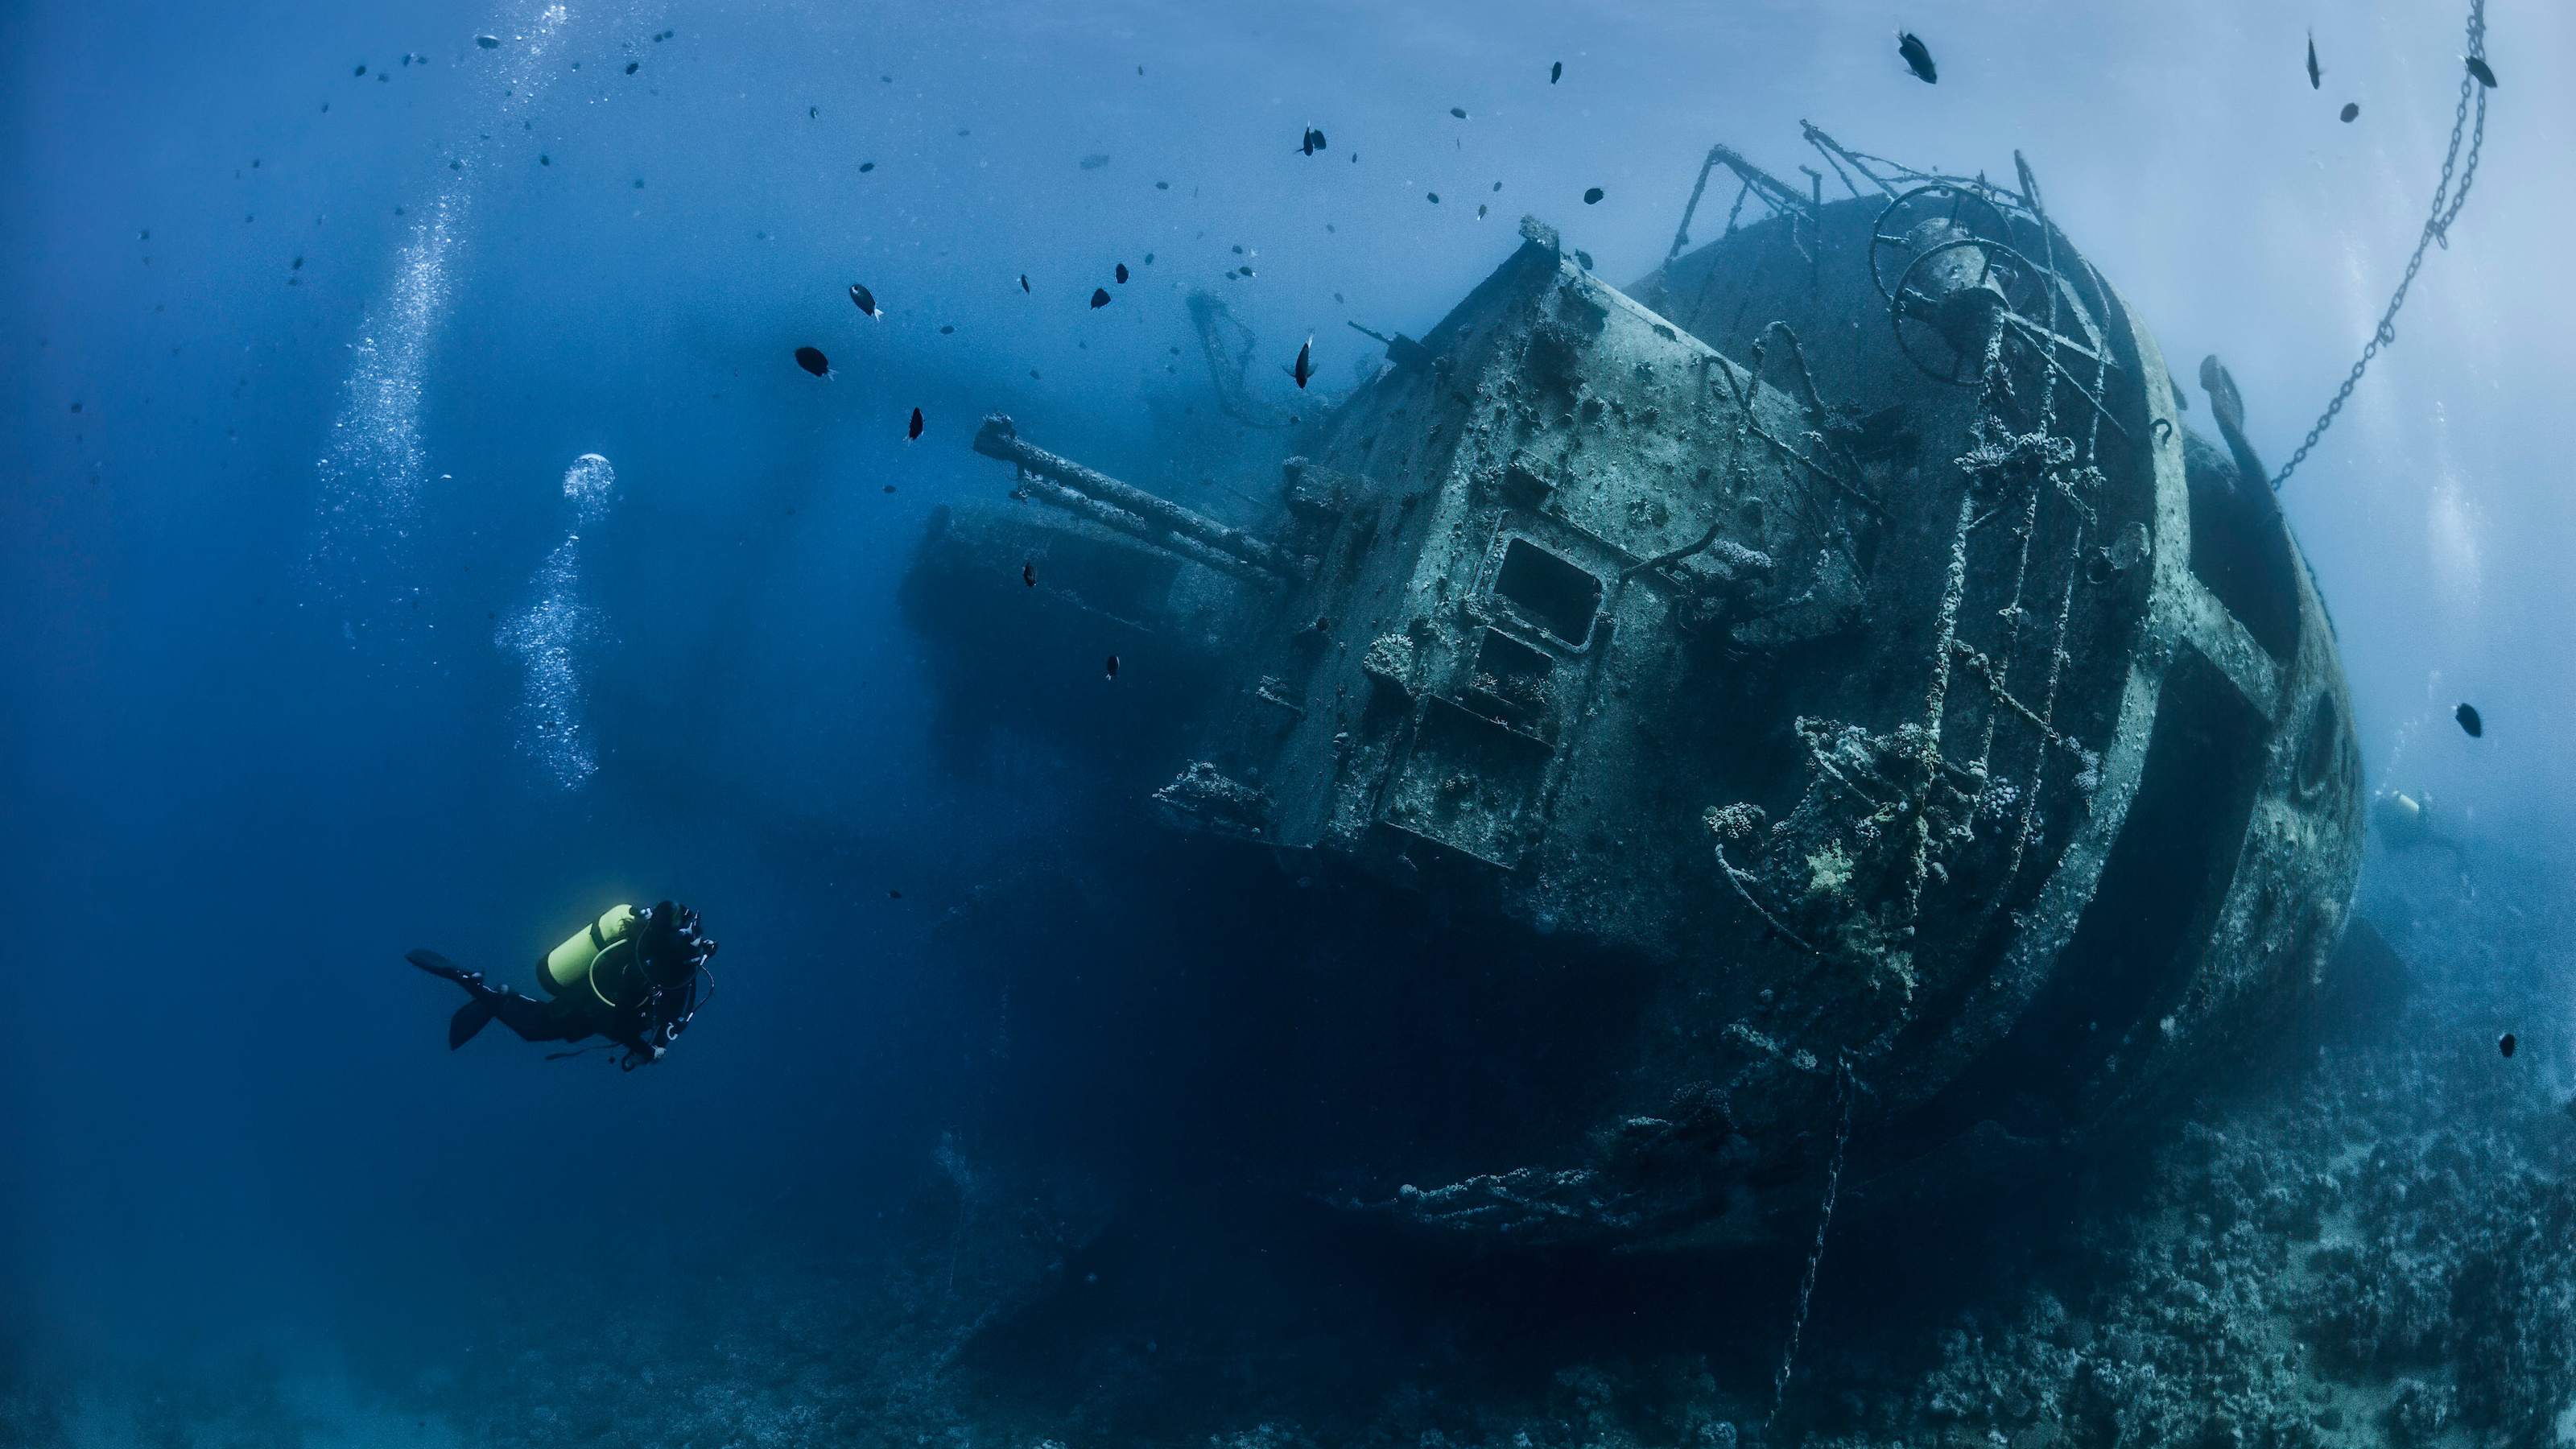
point(2437, 228)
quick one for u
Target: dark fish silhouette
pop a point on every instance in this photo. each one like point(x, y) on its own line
point(1100, 296)
point(632, 65)
point(1112, 666)
point(1305, 367)
point(866, 166)
point(2467, 715)
point(488, 42)
point(1592, 197)
point(1459, 111)
point(2316, 72)
point(812, 111)
point(913, 433)
point(2351, 112)
point(894, 895)
point(1435, 197)
point(1024, 281)
point(1313, 142)
point(812, 360)
point(2505, 1044)
point(866, 300)
point(1029, 574)
point(2478, 68)
point(1556, 72)
point(1122, 272)
point(1918, 57)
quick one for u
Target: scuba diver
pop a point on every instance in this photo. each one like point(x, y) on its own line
point(2406, 822)
point(631, 976)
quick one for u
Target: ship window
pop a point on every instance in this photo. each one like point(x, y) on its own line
point(1505, 657)
point(1551, 592)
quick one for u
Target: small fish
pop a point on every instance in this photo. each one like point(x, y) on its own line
point(1556, 72)
point(867, 166)
point(633, 65)
point(944, 331)
point(1149, 259)
point(1122, 273)
point(812, 360)
point(2467, 715)
point(1480, 213)
point(362, 70)
point(488, 42)
point(894, 895)
point(913, 433)
point(2505, 1044)
point(1029, 574)
point(889, 488)
point(298, 265)
point(1112, 666)
point(1585, 258)
point(1918, 57)
point(1592, 197)
point(1313, 142)
point(866, 300)
point(1099, 297)
point(2351, 112)
point(1305, 367)
point(2478, 68)
point(1094, 161)
point(1435, 197)
point(1024, 281)
point(1459, 111)
point(2316, 72)
point(813, 111)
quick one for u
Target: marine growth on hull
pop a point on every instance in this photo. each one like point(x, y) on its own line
point(1836, 632)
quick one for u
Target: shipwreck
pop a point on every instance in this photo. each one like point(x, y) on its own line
point(1841, 626)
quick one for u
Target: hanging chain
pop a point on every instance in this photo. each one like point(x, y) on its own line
point(2437, 228)
point(1816, 1254)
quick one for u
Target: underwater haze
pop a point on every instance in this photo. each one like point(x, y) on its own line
point(419, 533)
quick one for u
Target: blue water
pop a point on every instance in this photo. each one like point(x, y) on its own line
point(323, 641)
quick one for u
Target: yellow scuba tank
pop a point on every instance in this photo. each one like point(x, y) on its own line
point(597, 961)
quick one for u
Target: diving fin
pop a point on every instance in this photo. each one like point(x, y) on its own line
point(470, 1018)
point(435, 964)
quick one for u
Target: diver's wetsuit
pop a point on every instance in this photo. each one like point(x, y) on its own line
point(563, 1019)
point(665, 993)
